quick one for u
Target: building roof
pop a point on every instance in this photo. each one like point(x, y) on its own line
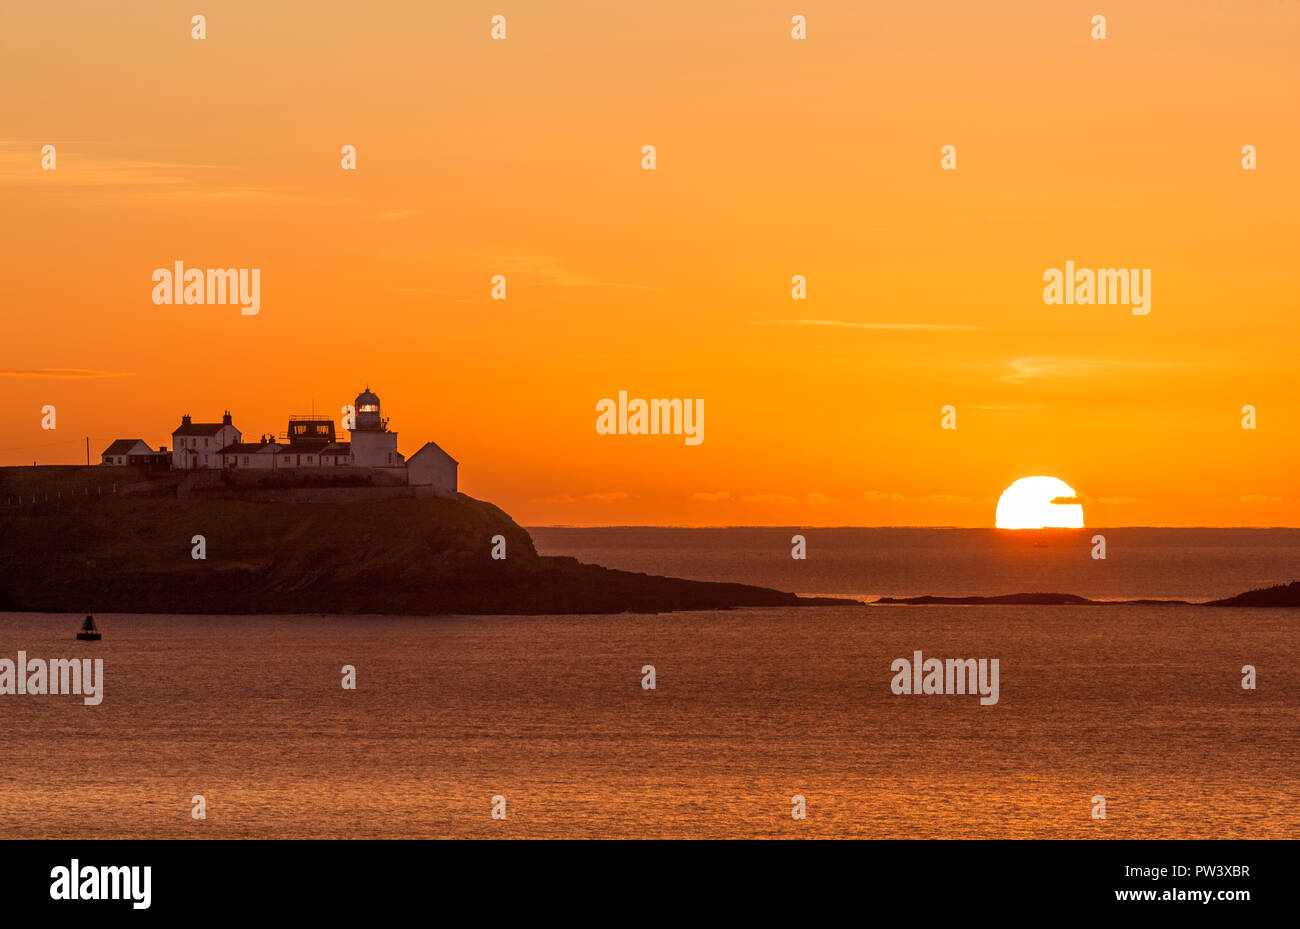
point(245, 448)
point(431, 448)
point(124, 446)
point(200, 428)
point(302, 448)
point(337, 448)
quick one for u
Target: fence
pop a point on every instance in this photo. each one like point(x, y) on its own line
point(31, 499)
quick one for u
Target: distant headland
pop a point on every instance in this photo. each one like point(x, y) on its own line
point(310, 524)
point(1281, 595)
point(118, 539)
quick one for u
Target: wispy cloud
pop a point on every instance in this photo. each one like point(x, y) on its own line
point(817, 498)
point(62, 373)
point(608, 497)
point(711, 495)
point(454, 296)
point(551, 271)
point(845, 324)
point(1027, 369)
point(769, 498)
point(77, 169)
point(1005, 407)
point(879, 496)
point(20, 165)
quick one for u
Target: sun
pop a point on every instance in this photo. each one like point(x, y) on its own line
point(1030, 503)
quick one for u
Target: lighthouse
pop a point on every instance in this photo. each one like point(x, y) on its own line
point(373, 445)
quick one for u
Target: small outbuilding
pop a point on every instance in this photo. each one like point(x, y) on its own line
point(126, 452)
point(432, 467)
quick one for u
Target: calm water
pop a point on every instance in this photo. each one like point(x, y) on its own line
point(1140, 704)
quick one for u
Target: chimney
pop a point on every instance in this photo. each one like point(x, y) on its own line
point(185, 420)
point(225, 420)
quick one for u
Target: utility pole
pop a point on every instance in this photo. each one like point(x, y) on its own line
point(87, 451)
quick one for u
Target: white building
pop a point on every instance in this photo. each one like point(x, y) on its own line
point(249, 455)
point(310, 443)
point(432, 467)
point(199, 445)
point(336, 455)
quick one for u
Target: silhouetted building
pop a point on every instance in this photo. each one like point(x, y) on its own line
point(310, 442)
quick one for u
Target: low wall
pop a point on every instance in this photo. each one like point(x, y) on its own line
point(327, 494)
point(283, 483)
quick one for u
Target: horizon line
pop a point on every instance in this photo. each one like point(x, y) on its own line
point(850, 526)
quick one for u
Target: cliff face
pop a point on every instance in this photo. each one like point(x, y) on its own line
point(116, 553)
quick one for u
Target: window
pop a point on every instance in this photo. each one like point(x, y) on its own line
point(245, 459)
point(309, 459)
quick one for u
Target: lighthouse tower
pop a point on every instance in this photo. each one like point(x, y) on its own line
point(373, 446)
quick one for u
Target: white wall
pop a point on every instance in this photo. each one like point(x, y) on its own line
point(206, 446)
point(431, 466)
point(372, 449)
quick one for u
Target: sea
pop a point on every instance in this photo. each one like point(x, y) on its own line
point(543, 726)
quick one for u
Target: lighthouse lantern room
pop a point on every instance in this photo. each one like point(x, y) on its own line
point(373, 446)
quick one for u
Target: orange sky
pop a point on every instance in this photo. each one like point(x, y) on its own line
point(775, 158)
